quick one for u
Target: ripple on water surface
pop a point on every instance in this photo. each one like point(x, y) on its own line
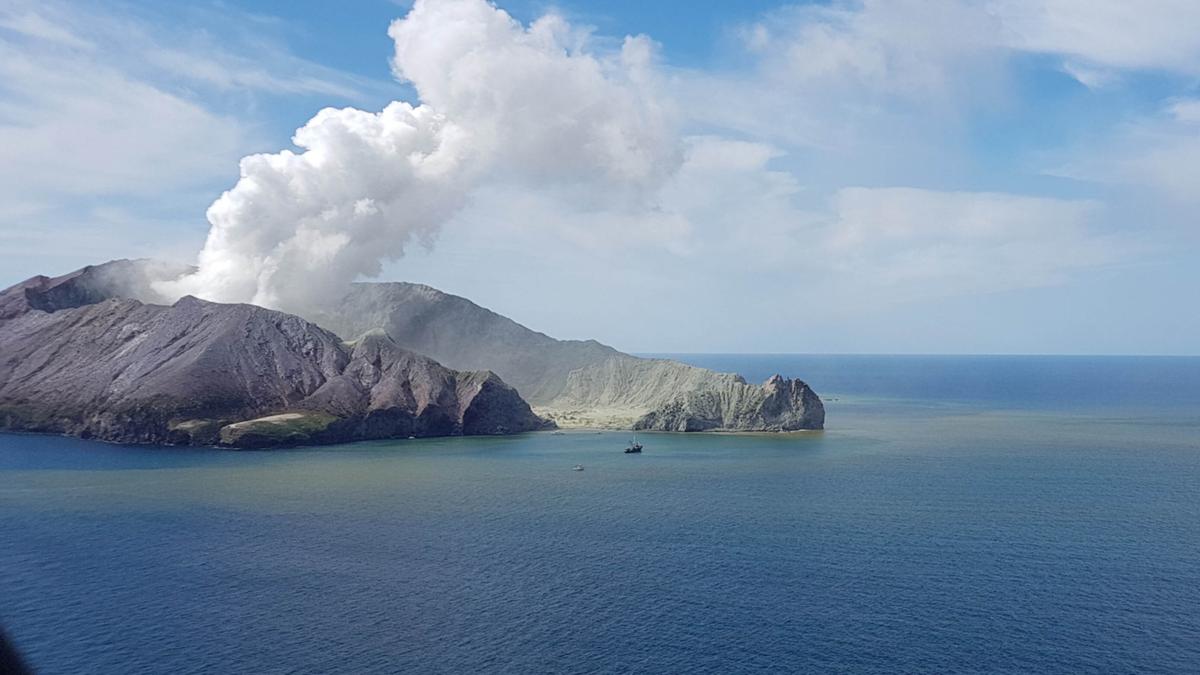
point(915, 536)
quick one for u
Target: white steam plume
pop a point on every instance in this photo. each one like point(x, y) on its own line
point(499, 103)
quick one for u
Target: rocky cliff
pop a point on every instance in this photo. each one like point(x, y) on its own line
point(664, 395)
point(575, 383)
point(778, 404)
point(77, 362)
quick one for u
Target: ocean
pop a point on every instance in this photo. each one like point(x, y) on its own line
point(959, 514)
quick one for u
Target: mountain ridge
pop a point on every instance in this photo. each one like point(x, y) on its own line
point(122, 370)
point(394, 346)
point(581, 383)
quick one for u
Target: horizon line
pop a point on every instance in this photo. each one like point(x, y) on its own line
point(916, 354)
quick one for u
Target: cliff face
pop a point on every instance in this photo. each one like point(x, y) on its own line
point(663, 395)
point(206, 373)
point(575, 383)
point(777, 405)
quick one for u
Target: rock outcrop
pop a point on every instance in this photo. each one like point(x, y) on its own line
point(75, 362)
point(779, 404)
point(575, 383)
point(664, 395)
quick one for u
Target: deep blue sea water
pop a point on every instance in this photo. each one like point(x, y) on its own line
point(960, 514)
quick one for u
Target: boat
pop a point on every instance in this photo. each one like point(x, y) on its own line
point(634, 446)
point(577, 467)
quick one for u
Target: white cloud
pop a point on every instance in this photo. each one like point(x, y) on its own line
point(74, 126)
point(170, 53)
point(851, 77)
point(500, 102)
point(299, 225)
point(1092, 78)
point(916, 242)
point(940, 53)
point(1186, 111)
point(101, 109)
point(231, 72)
point(544, 135)
point(731, 234)
point(27, 22)
point(1116, 34)
point(529, 93)
point(723, 199)
point(907, 48)
point(1157, 152)
point(548, 143)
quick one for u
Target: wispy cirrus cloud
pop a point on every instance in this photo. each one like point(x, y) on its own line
point(1105, 35)
point(921, 48)
point(104, 109)
point(1156, 152)
point(240, 57)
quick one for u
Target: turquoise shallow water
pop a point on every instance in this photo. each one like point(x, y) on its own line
point(959, 514)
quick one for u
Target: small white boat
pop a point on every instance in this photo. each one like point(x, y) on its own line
point(577, 467)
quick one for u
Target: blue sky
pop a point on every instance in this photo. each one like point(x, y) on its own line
point(946, 176)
